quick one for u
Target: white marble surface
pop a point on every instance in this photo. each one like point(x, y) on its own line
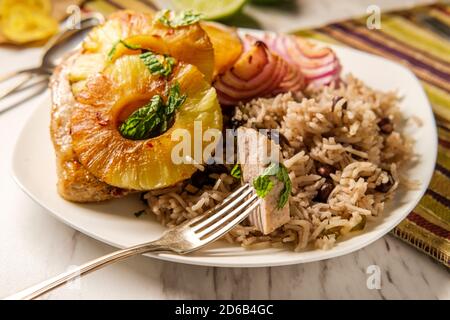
point(35, 246)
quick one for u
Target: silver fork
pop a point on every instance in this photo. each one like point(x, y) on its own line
point(185, 238)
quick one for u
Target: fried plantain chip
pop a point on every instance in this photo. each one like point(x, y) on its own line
point(22, 23)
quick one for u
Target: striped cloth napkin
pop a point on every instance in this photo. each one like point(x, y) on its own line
point(418, 38)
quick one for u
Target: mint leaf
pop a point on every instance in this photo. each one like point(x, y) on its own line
point(236, 171)
point(130, 45)
point(175, 99)
point(283, 176)
point(157, 64)
point(184, 18)
point(263, 185)
point(140, 124)
point(127, 45)
point(154, 118)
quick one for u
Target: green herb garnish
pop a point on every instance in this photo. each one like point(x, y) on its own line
point(157, 64)
point(236, 171)
point(125, 44)
point(263, 184)
point(175, 99)
point(283, 176)
point(335, 230)
point(174, 102)
point(181, 19)
point(154, 118)
point(141, 123)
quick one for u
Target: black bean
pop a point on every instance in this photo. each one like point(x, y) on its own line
point(386, 125)
point(216, 168)
point(227, 117)
point(141, 197)
point(385, 187)
point(325, 170)
point(384, 121)
point(284, 142)
point(387, 128)
point(235, 123)
point(324, 192)
point(201, 178)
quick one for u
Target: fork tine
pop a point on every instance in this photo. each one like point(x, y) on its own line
point(9, 75)
point(223, 211)
point(255, 201)
point(6, 92)
point(229, 215)
point(200, 221)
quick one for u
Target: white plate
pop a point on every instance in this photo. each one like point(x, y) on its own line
point(113, 222)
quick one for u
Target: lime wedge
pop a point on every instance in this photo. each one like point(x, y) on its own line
point(211, 9)
point(265, 2)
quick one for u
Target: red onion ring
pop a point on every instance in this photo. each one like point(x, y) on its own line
point(257, 73)
point(319, 64)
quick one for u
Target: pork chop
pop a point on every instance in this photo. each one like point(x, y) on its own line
point(75, 183)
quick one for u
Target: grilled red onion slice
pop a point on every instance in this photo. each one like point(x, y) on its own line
point(257, 73)
point(319, 64)
point(293, 81)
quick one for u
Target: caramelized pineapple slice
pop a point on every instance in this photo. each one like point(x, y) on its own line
point(101, 40)
point(110, 97)
point(189, 44)
point(120, 25)
point(226, 43)
point(85, 65)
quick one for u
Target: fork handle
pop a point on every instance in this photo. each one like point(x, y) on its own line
point(53, 283)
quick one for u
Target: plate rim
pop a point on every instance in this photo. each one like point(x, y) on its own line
point(332, 253)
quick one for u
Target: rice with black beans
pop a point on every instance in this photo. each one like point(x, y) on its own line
point(342, 165)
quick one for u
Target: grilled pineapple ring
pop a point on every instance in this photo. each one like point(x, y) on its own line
point(189, 44)
point(110, 96)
